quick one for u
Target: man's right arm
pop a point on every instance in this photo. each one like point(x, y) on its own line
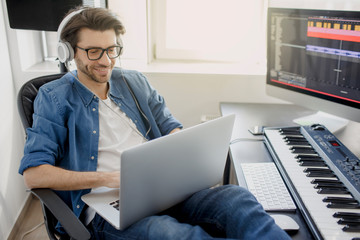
point(48, 176)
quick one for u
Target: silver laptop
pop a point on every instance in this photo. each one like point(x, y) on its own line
point(160, 173)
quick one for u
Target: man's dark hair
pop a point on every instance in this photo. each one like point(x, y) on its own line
point(99, 19)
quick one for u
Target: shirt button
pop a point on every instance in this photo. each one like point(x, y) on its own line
point(94, 132)
point(92, 157)
point(135, 121)
point(94, 109)
point(77, 206)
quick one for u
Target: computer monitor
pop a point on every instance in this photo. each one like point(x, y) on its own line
point(313, 60)
point(43, 15)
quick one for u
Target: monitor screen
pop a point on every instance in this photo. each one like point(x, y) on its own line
point(42, 15)
point(313, 59)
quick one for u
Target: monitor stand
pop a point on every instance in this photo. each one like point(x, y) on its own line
point(331, 122)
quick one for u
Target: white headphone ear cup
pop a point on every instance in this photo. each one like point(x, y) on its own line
point(65, 52)
point(71, 51)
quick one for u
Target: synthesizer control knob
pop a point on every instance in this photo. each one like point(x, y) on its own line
point(319, 128)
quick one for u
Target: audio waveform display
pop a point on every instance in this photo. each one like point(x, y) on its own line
point(333, 51)
point(316, 53)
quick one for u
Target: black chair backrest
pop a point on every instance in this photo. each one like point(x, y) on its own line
point(25, 101)
point(27, 94)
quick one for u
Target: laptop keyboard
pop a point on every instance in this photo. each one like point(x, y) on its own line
point(115, 204)
point(265, 182)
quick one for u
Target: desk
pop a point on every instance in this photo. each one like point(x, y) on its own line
point(270, 115)
point(248, 150)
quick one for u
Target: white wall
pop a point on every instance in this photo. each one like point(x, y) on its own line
point(12, 190)
point(189, 96)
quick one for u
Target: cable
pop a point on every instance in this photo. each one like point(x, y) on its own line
point(136, 102)
point(246, 139)
point(33, 229)
point(255, 139)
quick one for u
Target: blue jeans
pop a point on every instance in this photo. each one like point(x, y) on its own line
point(224, 212)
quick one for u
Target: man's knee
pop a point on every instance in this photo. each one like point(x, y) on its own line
point(235, 192)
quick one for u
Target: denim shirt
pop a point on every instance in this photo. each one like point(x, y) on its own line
point(65, 131)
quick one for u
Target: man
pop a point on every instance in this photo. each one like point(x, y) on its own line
point(82, 123)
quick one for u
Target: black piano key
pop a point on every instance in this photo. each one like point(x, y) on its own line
point(333, 191)
point(320, 174)
point(321, 180)
point(303, 151)
point(312, 163)
point(307, 157)
point(296, 143)
point(300, 147)
point(352, 222)
point(310, 160)
point(290, 129)
point(325, 184)
point(343, 205)
point(317, 170)
point(299, 138)
point(340, 200)
point(349, 228)
point(295, 138)
point(347, 215)
point(290, 132)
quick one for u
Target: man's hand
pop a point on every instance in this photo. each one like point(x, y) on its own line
point(112, 179)
point(174, 130)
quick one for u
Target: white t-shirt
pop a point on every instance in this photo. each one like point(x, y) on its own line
point(117, 133)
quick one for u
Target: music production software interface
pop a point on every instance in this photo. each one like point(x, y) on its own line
point(317, 53)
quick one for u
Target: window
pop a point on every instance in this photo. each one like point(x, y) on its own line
point(209, 30)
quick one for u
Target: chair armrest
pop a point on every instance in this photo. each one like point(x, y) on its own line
point(72, 225)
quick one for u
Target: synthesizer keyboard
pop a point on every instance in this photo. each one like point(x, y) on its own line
point(323, 177)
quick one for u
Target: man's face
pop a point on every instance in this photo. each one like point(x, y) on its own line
point(94, 70)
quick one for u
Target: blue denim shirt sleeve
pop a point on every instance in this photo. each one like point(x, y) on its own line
point(46, 138)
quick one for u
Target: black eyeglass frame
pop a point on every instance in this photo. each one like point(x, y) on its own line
point(102, 51)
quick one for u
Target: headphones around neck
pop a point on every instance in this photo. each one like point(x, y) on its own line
point(64, 49)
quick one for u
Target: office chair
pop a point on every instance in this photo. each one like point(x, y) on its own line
point(53, 207)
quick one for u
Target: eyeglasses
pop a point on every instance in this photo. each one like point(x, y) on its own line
point(96, 53)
